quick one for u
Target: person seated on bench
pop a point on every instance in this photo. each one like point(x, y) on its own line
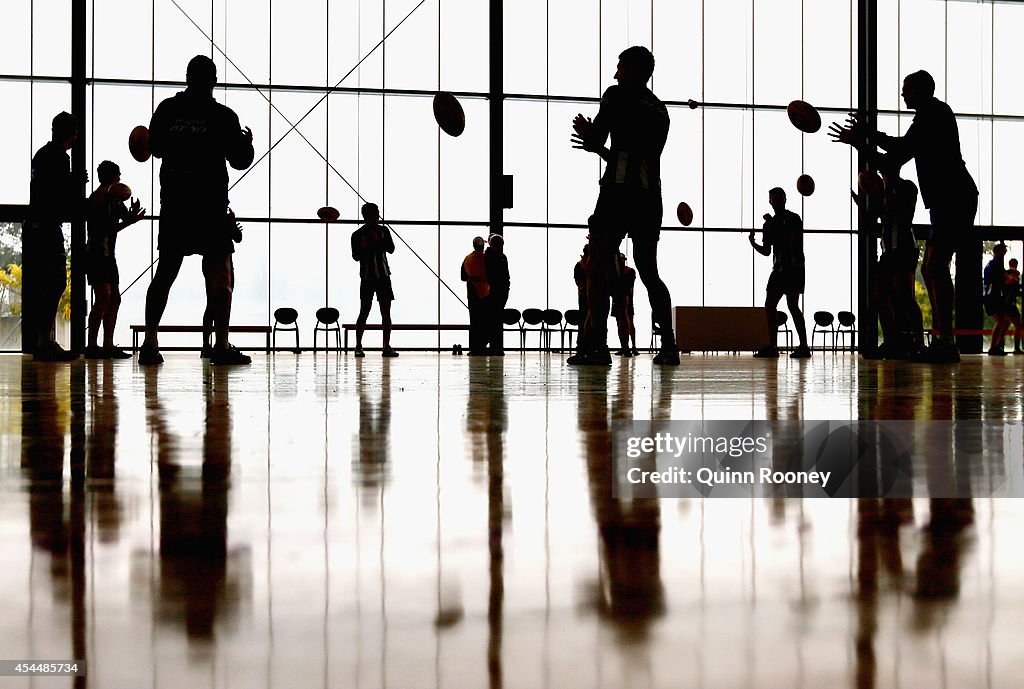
point(371, 244)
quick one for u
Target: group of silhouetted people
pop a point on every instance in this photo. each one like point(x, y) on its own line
point(196, 137)
point(487, 278)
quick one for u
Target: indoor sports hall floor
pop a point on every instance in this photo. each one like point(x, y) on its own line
point(438, 521)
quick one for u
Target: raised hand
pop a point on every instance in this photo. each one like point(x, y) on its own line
point(135, 212)
point(852, 132)
point(582, 125)
point(247, 133)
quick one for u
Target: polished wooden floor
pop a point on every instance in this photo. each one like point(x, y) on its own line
point(438, 521)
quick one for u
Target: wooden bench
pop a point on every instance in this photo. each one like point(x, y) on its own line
point(346, 327)
point(141, 329)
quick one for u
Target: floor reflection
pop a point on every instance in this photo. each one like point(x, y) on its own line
point(437, 521)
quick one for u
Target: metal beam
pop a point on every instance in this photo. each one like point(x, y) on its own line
point(867, 103)
point(496, 95)
point(79, 27)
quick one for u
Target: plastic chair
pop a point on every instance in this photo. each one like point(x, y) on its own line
point(783, 327)
point(285, 320)
point(552, 322)
point(534, 317)
point(824, 323)
point(572, 324)
point(847, 326)
point(513, 317)
point(326, 322)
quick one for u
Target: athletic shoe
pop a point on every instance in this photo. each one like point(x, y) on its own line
point(938, 352)
point(389, 353)
point(767, 353)
point(636, 352)
point(359, 353)
point(800, 353)
point(595, 357)
point(206, 352)
point(149, 355)
point(96, 353)
point(997, 351)
point(622, 352)
point(115, 352)
point(668, 356)
point(52, 351)
point(229, 356)
point(497, 352)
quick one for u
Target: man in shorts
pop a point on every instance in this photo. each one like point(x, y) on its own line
point(629, 201)
point(194, 135)
point(371, 244)
point(949, 193)
point(783, 240)
point(107, 215)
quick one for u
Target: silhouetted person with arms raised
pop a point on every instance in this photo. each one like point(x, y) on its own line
point(496, 264)
point(783, 240)
point(54, 197)
point(896, 275)
point(622, 306)
point(107, 215)
point(996, 300)
point(949, 193)
point(629, 201)
point(371, 244)
point(195, 135)
point(478, 290)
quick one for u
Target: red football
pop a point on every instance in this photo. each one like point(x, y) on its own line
point(121, 192)
point(449, 113)
point(804, 116)
point(805, 185)
point(138, 143)
point(328, 214)
point(869, 182)
point(684, 213)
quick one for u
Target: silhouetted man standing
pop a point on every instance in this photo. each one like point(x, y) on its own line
point(195, 135)
point(371, 244)
point(629, 201)
point(478, 291)
point(783, 239)
point(951, 196)
point(500, 281)
point(54, 197)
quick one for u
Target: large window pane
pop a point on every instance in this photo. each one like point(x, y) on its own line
point(1008, 55)
point(727, 52)
point(51, 45)
point(15, 36)
point(15, 138)
point(122, 34)
point(677, 46)
point(777, 51)
point(727, 168)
